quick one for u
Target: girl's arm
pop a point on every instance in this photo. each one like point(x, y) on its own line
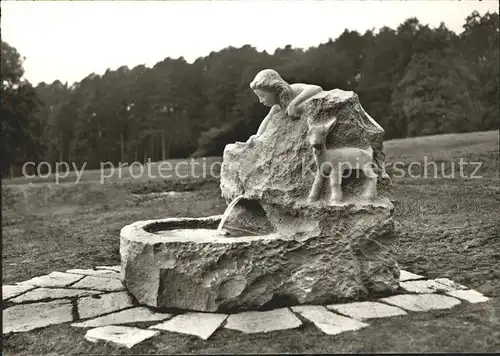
point(306, 93)
point(265, 122)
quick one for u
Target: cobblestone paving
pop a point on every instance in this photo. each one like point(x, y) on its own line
point(104, 307)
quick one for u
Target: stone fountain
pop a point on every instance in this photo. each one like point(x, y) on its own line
point(295, 232)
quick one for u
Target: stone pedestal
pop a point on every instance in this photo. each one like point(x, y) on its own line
point(223, 274)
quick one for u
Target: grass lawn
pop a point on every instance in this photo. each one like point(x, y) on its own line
point(450, 229)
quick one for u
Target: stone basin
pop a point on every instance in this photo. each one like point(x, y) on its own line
point(181, 263)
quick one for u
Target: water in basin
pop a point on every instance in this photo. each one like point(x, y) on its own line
point(200, 232)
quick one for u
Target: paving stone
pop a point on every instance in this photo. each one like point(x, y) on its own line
point(265, 321)
point(52, 293)
point(328, 322)
point(111, 268)
point(200, 324)
point(367, 310)
point(54, 279)
point(421, 302)
point(121, 335)
point(425, 287)
point(450, 283)
point(11, 291)
point(26, 317)
point(127, 316)
point(407, 276)
point(471, 295)
point(90, 307)
point(99, 283)
point(99, 273)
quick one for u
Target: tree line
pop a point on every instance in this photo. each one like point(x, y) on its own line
point(414, 80)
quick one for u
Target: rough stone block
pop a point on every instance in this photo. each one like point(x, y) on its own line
point(450, 283)
point(425, 286)
point(134, 315)
point(90, 307)
point(421, 302)
point(104, 273)
point(202, 325)
point(297, 249)
point(279, 169)
point(408, 276)
point(263, 321)
point(121, 335)
point(52, 293)
point(100, 283)
point(26, 317)
point(328, 322)
point(350, 255)
point(471, 296)
point(54, 279)
point(11, 291)
point(367, 310)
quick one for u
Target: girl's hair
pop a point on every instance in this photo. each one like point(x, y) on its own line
point(270, 80)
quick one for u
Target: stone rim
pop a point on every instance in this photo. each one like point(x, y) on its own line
point(143, 232)
point(154, 266)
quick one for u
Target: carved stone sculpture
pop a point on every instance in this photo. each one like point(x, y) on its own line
point(276, 172)
point(277, 164)
point(277, 94)
point(332, 163)
point(286, 243)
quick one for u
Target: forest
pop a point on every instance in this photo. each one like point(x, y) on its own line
point(414, 80)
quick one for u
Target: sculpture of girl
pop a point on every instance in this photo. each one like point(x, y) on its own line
point(277, 94)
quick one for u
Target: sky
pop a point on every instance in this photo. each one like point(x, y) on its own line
point(69, 40)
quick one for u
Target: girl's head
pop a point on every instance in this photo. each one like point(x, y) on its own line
point(271, 88)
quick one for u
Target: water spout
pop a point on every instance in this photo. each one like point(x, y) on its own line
point(227, 212)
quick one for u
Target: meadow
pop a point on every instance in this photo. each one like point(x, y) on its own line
point(449, 220)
